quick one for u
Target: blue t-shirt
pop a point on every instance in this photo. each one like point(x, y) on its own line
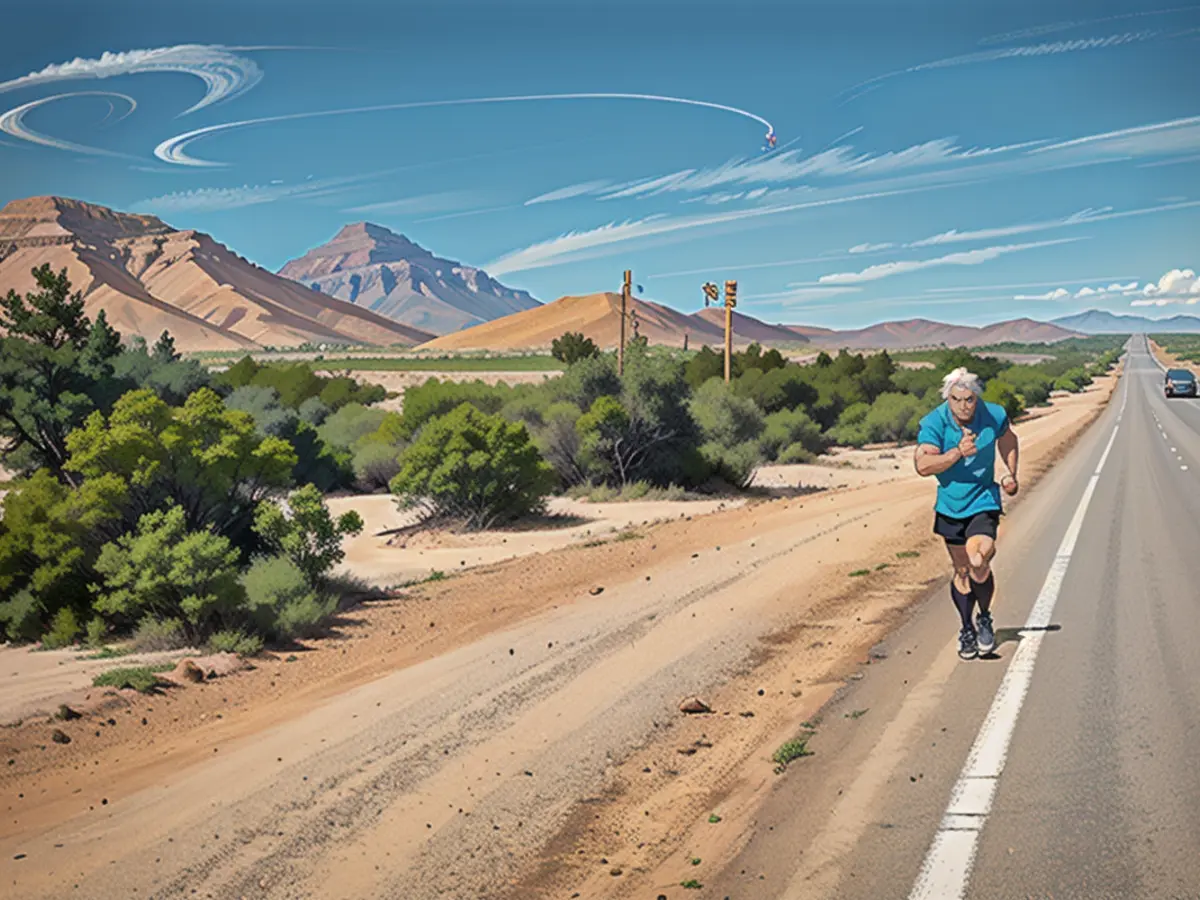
point(969, 486)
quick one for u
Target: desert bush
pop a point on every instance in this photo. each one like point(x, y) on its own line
point(344, 428)
point(475, 468)
point(435, 398)
point(281, 603)
point(1003, 393)
point(307, 533)
point(788, 428)
point(97, 631)
point(154, 635)
point(21, 616)
point(235, 642)
point(796, 453)
point(165, 570)
point(735, 465)
point(64, 628)
point(724, 418)
point(375, 465)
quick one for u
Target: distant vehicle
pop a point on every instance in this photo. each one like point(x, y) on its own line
point(1180, 383)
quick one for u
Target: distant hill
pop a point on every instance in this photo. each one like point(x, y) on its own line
point(912, 333)
point(149, 277)
point(597, 316)
point(377, 269)
point(749, 329)
point(1099, 321)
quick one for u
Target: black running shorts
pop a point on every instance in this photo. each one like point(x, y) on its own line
point(956, 531)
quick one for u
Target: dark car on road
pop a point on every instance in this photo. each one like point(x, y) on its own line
point(1180, 383)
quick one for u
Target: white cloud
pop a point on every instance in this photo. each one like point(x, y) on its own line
point(224, 73)
point(13, 122)
point(1176, 286)
point(216, 199)
point(1159, 138)
point(965, 258)
point(870, 248)
point(569, 247)
point(440, 201)
point(582, 189)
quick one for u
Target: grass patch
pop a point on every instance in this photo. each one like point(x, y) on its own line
point(435, 575)
point(713, 819)
point(691, 884)
point(882, 566)
point(695, 860)
point(629, 536)
point(528, 363)
point(789, 751)
point(856, 714)
point(859, 572)
point(109, 653)
point(141, 678)
point(907, 554)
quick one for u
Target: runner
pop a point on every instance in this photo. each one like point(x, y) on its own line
point(957, 442)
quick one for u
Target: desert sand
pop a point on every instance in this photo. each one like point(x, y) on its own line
point(511, 731)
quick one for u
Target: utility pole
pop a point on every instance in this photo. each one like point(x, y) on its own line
point(625, 290)
point(730, 303)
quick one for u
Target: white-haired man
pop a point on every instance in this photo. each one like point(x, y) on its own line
point(957, 442)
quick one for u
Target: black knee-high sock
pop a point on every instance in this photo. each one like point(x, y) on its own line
point(965, 603)
point(983, 591)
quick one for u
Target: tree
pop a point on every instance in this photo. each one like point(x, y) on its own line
point(166, 570)
point(476, 468)
point(998, 391)
point(208, 460)
point(50, 536)
point(164, 349)
point(53, 371)
point(306, 532)
point(572, 347)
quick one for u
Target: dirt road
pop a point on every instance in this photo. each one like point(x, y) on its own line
point(528, 751)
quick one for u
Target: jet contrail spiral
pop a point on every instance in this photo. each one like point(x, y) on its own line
point(173, 150)
point(12, 122)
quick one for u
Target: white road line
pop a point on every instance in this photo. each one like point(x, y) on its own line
point(946, 871)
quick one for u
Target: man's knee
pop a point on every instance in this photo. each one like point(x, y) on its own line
point(980, 551)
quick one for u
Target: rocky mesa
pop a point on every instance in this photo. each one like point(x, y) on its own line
point(149, 277)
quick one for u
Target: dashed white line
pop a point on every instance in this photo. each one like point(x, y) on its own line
point(946, 871)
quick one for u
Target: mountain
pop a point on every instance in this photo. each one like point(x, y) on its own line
point(149, 277)
point(377, 269)
point(913, 333)
point(1098, 321)
point(597, 316)
point(747, 328)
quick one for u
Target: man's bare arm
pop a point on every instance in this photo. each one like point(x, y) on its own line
point(929, 461)
point(1009, 449)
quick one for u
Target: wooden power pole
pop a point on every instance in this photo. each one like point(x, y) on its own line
point(625, 291)
point(730, 303)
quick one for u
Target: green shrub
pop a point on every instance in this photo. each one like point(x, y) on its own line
point(21, 617)
point(280, 601)
point(141, 678)
point(795, 453)
point(375, 465)
point(474, 468)
point(736, 465)
point(235, 642)
point(344, 428)
point(1003, 393)
point(64, 628)
point(307, 533)
point(97, 631)
point(154, 635)
point(434, 399)
point(789, 428)
point(166, 571)
point(724, 418)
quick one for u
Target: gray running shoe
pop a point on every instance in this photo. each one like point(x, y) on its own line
point(967, 647)
point(987, 634)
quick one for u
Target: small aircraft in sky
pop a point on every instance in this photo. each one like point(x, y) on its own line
point(771, 140)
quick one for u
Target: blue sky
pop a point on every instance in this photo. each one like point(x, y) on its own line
point(967, 162)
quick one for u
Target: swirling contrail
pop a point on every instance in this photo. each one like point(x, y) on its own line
point(12, 122)
point(173, 149)
point(224, 73)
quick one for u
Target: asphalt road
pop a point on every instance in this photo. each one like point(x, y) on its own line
point(1098, 795)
